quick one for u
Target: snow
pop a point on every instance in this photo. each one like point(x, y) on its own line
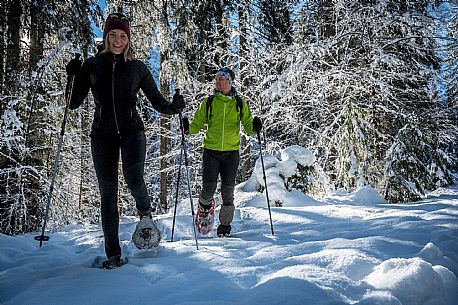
point(337, 250)
point(298, 154)
point(347, 248)
point(362, 195)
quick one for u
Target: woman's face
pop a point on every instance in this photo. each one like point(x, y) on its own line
point(117, 41)
point(222, 84)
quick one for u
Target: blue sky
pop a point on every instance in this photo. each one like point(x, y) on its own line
point(97, 30)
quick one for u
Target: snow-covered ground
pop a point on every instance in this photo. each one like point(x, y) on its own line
point(346, 249)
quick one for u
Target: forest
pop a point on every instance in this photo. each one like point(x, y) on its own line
point(369, 87)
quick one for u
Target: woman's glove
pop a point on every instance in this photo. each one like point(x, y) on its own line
point(74, 66)
point(178, 102)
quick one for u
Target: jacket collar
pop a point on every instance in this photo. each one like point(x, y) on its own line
point(232, 93)
point(114, 58)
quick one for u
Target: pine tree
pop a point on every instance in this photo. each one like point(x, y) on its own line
point(355, 140)
point(407, 176)
point(450, 52)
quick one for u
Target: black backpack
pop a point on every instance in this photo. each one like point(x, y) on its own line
point(239, 106)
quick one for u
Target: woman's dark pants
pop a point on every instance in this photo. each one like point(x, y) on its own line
point(106, 150)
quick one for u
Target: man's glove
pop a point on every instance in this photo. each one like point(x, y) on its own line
point(257, 124)
point(74, 66)
point(185, 125)
point(178, 102)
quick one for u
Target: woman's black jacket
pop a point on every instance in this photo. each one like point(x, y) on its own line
point(115, 83)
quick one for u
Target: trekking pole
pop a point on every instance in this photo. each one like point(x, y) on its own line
point(176, 194)
point(183, 147)
point(70, 82)
point(265, 182)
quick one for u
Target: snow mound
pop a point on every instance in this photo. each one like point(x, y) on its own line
point(291, 157)
point(277, 171)
point(412, 281)
point(434, 255)
point(251, 185)
point(379, 298)
point(298, 154)
point(365, 195)
point(293, 198)
point(275, 185)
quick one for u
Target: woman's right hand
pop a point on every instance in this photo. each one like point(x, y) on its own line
point(178, 103)
point(74, 66)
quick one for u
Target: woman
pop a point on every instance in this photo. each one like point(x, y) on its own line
point(115, 78)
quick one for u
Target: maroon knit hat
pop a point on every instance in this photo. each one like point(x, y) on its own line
point(116, 21)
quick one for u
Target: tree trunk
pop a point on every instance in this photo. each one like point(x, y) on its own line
point(85, 158)
point(36, 38)
point(2, 50)
point(222, 35)
point(164, 148)
point(326, 19)
point(245, 147)
point(35, 137)
point(164, 121)
point(10, 188)
point(13, 49)
point(84, 194)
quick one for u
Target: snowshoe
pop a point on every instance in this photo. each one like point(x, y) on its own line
point(223, 231)
point(111, 263)
point(146, 234)
point(205, 218)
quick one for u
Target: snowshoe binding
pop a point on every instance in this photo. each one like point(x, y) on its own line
point(223, 231)
point(146, 234)
point(111, 263)
point(205, 218)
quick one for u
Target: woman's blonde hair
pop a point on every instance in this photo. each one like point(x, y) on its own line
point(128, 53)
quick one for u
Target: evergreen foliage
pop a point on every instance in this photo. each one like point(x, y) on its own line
point(406, 166)
point(303, 180)
point(355, 140)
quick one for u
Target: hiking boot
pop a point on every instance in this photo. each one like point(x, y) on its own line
point(224, 231)
point(113, 262)
point(205, 208)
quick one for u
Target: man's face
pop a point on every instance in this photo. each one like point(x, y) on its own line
point(222, 84)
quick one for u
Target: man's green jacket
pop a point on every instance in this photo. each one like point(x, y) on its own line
point(223, 125)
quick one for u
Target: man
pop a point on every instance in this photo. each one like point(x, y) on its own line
point(223, 113)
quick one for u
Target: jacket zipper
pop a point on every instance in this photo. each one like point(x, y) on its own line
point(224, 123)
point(113, 98)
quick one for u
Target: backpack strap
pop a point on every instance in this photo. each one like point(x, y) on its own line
point(239, 105)
point(208, 108)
